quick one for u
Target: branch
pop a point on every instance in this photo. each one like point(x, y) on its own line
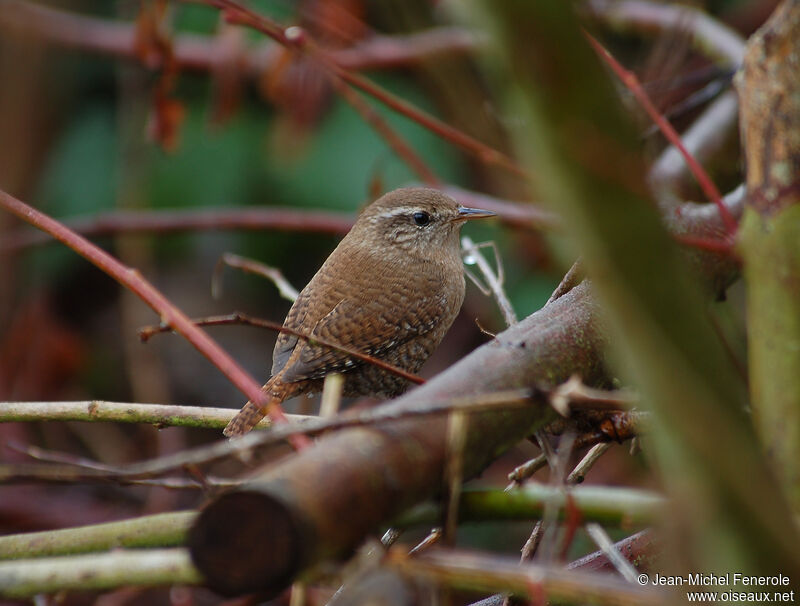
point(516, 214)
point(245, 446)
point(607, 505)
point(709, 36)
point(176, 221)
point(477, 572)
point(770, 126)
point(162, 415)
point(381, 126)
point(395, 464)
point(170, 315)
point(160, 530)
point(639, 549)
point(274, 275)
point(612, 506)
point(630, 80)
point(202, 53)
point(143, 568)
point(298, 40)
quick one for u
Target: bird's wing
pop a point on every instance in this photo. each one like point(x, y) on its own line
point(367, 325)
point(285, 344)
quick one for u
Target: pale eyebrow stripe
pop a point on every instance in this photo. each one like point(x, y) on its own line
point(400, 210)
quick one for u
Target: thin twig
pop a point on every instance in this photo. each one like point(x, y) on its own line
point(630, 80)
point(299, 40)
point(195, 219)
point(286, 290)
point(433, 537)
point(400, 146)
point(161, 415)
point(239, 318)
point(331, 395)
point(606, 545)
point(201, 53)
point(526, 470)
point(574, 394)
point(58, 475)
point(454, 472)
point(498, 573)
point(494, 281)
point(578, 474)
point(51, 456)
point(161, 221)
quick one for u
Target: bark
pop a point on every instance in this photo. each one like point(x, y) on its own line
point(769, 88)
point(322, 502)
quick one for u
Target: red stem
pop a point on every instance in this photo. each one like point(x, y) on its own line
point(630, 80)
point(178, 220)
point(169, 314)
point(236, 13)
point(382, 127)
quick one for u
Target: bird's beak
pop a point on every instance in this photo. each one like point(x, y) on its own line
point(465, 213)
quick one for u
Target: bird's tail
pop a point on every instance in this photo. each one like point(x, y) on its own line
point(250, 414)
point(247, 418)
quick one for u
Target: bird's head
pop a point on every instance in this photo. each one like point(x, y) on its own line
point(416, 220)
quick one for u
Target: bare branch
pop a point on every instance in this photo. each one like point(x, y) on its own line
point(496, 573)
point(142, 568)
point(605, 544)
point(495, 281)
point(175, 221)
point(162, 415)
point(286, 290)
point(202, 53)
point(160, 530)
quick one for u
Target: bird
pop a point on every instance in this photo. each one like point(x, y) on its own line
point(390, 289)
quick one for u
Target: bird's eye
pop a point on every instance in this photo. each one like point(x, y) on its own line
point(421, 218)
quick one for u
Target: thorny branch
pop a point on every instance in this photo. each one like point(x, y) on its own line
point(310, 426)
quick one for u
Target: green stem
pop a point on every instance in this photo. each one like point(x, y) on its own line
point(770, 246)
point(121, 412)
point(612, 506)
point(145, 568)
point(160, 530)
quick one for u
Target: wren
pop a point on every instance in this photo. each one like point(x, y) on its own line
point(390, 289)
